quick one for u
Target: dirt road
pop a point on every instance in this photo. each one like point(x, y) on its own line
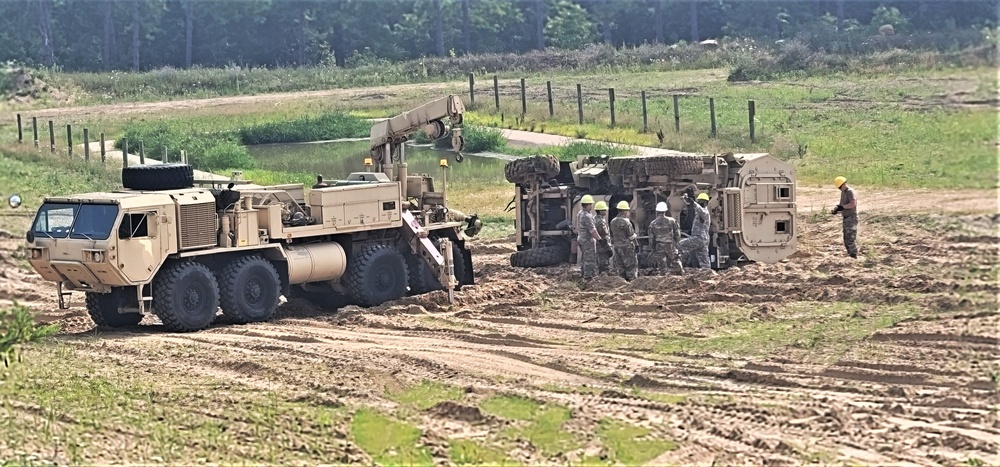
point(886, 359)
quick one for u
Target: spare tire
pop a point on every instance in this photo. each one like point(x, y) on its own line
point(674, 165)
point(158, 177)
point(540, 257)
point(529, 168)
point(629, 165)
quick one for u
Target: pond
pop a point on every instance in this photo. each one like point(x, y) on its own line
point(334, 160)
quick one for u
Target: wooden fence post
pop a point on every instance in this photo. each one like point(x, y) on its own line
point(34, 130)
point(677, 114)
point(496, 92)
point(184, 156)
point(69, 140)
point(579, 101)
point(645, 121)
point(20, 132)
point(548, 87)
point(752, 111)
point(524, 100)
point(166, 155)
point(711, 110)
point(142, 154)
point(52, 137)
point(103, 151)
point(472, 89)
point(611, 103)
point(86, 145)
point(124, 152)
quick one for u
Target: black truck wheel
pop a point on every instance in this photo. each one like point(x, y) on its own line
point(158, 177)
point(674, 165)
point(525, 169)
point(422, 279)
point(103, 310)
point(249, 289)
point(540, 257)
point(185, 296)
point(375, 275)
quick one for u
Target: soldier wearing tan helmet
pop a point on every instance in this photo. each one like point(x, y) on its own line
point(848, 208)
point(664, 235)
point(587, 237)
point(604, 251)
point(624, 243)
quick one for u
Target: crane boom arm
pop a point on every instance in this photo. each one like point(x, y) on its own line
point(428, 117)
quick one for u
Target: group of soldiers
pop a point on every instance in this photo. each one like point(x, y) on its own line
point(613, 247)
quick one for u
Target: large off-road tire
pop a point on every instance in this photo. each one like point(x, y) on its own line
point(421, 277)
point(103, 309)
point(540, 257)
point(249, 290)
point(185, 296)
point(674, 165)
point(630, 165)
point(525, 169)
point(158, 177)
point(375, 275)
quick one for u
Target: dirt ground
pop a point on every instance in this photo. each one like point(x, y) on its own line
point(740, 367)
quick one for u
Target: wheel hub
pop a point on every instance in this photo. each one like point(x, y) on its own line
point(253, 291)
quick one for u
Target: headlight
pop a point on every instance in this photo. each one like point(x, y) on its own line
point(98, 257)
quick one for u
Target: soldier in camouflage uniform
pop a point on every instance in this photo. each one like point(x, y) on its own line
point(604, 251)
point(623, 241)
point(664, 235)
point(848, 208)
point(698, 241)
point(587, 237)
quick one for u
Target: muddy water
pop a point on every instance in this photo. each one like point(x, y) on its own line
point(337, 159)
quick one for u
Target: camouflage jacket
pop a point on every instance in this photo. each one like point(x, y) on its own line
point(584, 224)
point(664, 230)
point(602, 228)
point(702, 222)
point(621, 232)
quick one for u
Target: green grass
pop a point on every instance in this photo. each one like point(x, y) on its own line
point(17, 327)
point(326, 126)
point(466, 452)
point(427, 394)
point(827, 329)
point(543, 423)
point(631, 445)
point(61, 405)
point(388, 441)
point(37, 174)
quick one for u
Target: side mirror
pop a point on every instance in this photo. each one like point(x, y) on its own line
point(14, 201)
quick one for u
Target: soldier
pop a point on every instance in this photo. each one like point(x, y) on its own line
point(604, 251)
point(587, 237)
point(664, 235)
point(848, 208)
point(623, 240)
point(698, 241)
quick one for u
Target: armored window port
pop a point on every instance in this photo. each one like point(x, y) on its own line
point(783, 227)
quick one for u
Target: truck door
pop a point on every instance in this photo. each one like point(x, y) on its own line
point(140, 236)
point(760, 212)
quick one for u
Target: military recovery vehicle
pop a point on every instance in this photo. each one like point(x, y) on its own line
point(752, 202)
point(165, 246)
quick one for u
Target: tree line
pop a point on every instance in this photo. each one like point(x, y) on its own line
point(94, 35)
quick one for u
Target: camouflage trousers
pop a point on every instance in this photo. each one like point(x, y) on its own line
point(603, 259)
point(665, 257)
point(697, 245)
point(588, 257)
point(851, 235)
point(626, 264)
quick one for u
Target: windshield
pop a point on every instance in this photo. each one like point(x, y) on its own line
point(84, 221)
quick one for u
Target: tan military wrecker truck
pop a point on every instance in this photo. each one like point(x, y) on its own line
point(163, 245)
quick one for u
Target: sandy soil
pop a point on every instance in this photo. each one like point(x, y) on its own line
point(921, 392)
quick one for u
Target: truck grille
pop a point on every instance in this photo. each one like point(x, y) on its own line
point(198, 225)
point(734, 205)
